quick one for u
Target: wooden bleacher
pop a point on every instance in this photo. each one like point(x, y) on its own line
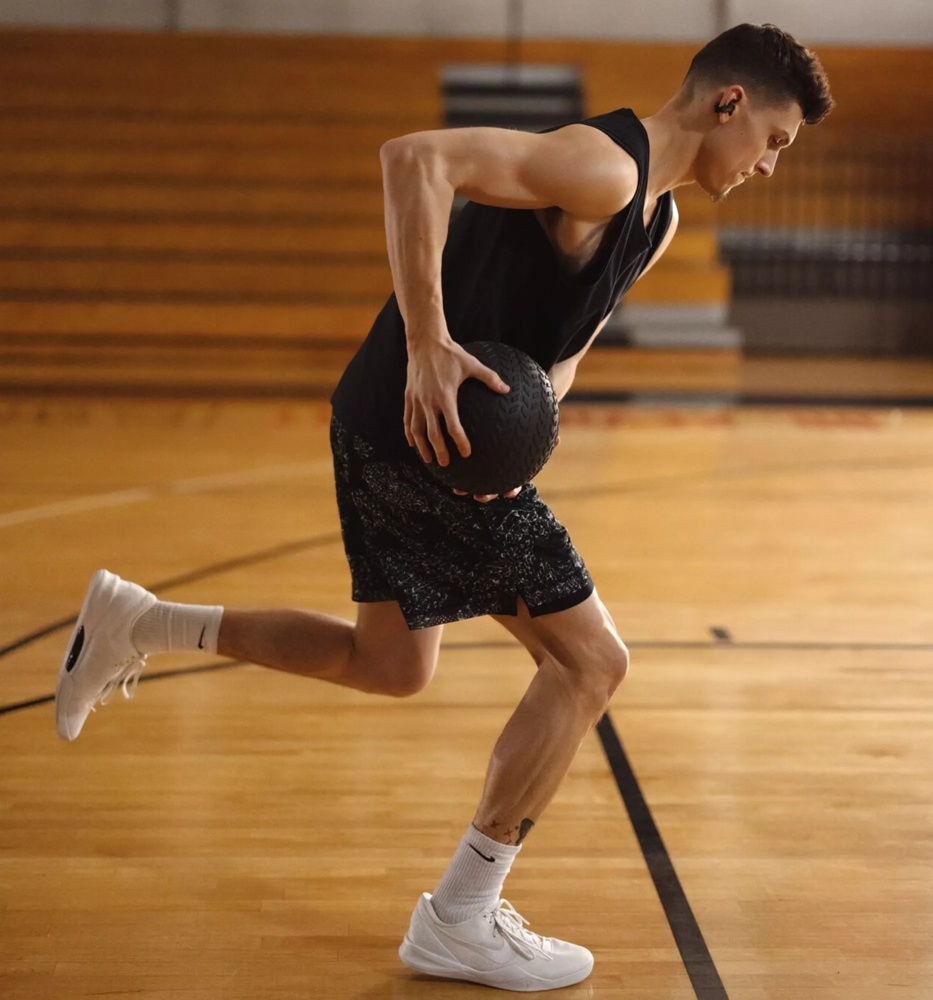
point(205, 212)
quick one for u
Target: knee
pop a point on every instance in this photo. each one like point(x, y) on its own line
point(402, 679)
point(613, 660)
point(404, 685)
point(620, 663)
point(597, 668)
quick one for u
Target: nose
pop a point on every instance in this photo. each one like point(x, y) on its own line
point(766, 164)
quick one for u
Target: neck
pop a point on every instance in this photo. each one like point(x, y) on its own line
point(674, 142)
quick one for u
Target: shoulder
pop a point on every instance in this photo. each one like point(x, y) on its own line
point(600, 164)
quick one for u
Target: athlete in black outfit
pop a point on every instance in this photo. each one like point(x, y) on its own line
point(559, 226)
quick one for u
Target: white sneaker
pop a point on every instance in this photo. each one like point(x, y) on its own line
point(492, 948)
point(101, 655)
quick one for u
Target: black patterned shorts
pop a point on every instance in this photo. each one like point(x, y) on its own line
point(444, 557)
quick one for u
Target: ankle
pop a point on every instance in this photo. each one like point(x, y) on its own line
point(473, 881)
point(167, 627)
point(503, 833)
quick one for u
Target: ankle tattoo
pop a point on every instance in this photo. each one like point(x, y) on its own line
point(510, 836)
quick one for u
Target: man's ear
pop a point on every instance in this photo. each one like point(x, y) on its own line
point(726, 102)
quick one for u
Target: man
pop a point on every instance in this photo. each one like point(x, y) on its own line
point(558, 227)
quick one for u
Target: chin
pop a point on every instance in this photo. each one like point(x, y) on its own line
point(713, 187)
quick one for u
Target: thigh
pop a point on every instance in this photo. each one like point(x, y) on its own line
point(383, 635)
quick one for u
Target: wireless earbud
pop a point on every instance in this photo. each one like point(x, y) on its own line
point(726, 109)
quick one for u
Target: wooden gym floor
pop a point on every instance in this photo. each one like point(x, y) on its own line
point(239, 834)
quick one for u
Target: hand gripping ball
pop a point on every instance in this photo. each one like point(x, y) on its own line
point(511, 435)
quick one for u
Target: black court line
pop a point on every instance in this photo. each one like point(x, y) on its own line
point(276, 551)
point(788, 645)
point(637, 486)
point(704, 976)
point(156, 676)
point(688, 937)
point(691, 944)
point(467, 645)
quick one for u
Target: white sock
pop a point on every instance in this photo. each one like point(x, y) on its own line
point(167, 628)
point(473, 881)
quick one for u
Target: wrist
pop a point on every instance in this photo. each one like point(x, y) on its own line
point(427, 333)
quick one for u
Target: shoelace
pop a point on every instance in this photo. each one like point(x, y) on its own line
point(511, 924)
point(128, 679)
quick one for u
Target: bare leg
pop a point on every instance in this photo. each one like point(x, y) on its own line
point(581, 660)
point(378, 654)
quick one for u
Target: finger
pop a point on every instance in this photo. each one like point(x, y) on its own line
point(424, 449)
point(490, 378)
point(456, 431)
point(486, 497)
point(512, 494)
point(419, 440)
point(460, 493)
point(436, 437)
point(406, 422)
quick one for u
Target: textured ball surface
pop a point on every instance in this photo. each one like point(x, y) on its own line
point(511, 435)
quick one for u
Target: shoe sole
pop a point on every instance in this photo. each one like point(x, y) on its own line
point(421, 961)
point(76, 644)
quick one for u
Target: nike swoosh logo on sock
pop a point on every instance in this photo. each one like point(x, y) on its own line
point(485, 857)
point(201, 639)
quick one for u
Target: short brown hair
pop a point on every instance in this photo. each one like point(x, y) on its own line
point(768, 61)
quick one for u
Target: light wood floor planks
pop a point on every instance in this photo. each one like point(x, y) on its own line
point(241, 834)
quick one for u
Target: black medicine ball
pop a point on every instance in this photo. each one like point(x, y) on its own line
point(511, 435)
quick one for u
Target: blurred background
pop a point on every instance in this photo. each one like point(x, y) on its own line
point(192, 247)
point(191, 198)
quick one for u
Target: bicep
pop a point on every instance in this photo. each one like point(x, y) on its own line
point(577, 168)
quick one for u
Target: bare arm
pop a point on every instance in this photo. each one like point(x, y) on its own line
point(562, 373)
point(577, 169)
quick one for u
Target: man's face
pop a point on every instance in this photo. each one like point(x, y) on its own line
point(746, 143)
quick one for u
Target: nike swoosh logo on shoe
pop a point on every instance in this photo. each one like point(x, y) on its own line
point(75, 650)
point(467, 949)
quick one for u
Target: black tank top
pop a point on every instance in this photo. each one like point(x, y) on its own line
point(503, 280)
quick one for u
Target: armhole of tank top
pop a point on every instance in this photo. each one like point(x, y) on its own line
point(669, 212)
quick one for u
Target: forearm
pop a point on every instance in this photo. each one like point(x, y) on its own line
point(418, 200)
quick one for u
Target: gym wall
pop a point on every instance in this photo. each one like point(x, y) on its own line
point(843, 22)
